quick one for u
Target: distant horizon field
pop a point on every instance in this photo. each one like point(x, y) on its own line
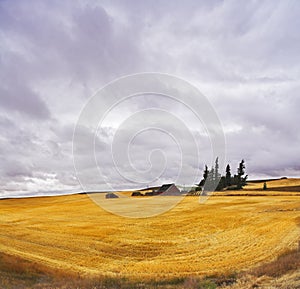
point(225, 234)
point(252, 184)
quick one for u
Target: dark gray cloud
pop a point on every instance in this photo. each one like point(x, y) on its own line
point(54, 55)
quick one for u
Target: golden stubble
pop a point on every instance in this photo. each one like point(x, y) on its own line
point(225, 234)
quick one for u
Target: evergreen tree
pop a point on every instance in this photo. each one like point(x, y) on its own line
point(228, 176)
point(234, 180)
point(210, 176)
point(205, 176)
point(241, 168)
point(219, 181)
point(265, 186)
point(222, 184)
point(241, 181)
point(213, 180)
point(209, 183)
point(217, 175)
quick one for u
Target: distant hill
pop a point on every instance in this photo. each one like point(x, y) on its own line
point(282, 184)
point(266, 180)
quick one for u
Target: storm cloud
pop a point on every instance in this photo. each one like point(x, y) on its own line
point(54, 55)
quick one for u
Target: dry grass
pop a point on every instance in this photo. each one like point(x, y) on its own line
point(289, 261)
point(18, 273)
point(224, 235)
point(281, 273)
point(29, 276)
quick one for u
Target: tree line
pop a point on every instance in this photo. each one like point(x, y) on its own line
point(213, 180)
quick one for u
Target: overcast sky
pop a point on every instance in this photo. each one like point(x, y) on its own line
point(54, 55)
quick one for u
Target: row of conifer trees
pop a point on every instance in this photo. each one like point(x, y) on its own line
point(213, 180)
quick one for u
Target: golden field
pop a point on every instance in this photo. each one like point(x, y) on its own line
point(279, 187)
point(280, 183)
point(225, 234)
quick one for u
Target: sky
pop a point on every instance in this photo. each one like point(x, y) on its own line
point(243, 56)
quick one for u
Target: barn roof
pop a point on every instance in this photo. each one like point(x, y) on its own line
point(111, 196)
point(164, 188)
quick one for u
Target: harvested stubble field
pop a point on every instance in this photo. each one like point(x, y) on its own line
point(225, 234)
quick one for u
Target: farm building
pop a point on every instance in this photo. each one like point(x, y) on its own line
point(147, 194)
point(165, 190)
point(111, 196)
point(136, 194)
point(168, 190)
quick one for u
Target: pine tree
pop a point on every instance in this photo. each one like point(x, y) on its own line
point(228, 176)
point(209, 183)
point(241, 181)
point(205, 176)
point(213, 180)
point(265, 186)
point(217, 169)
point(206, 172)
point(222, 184)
